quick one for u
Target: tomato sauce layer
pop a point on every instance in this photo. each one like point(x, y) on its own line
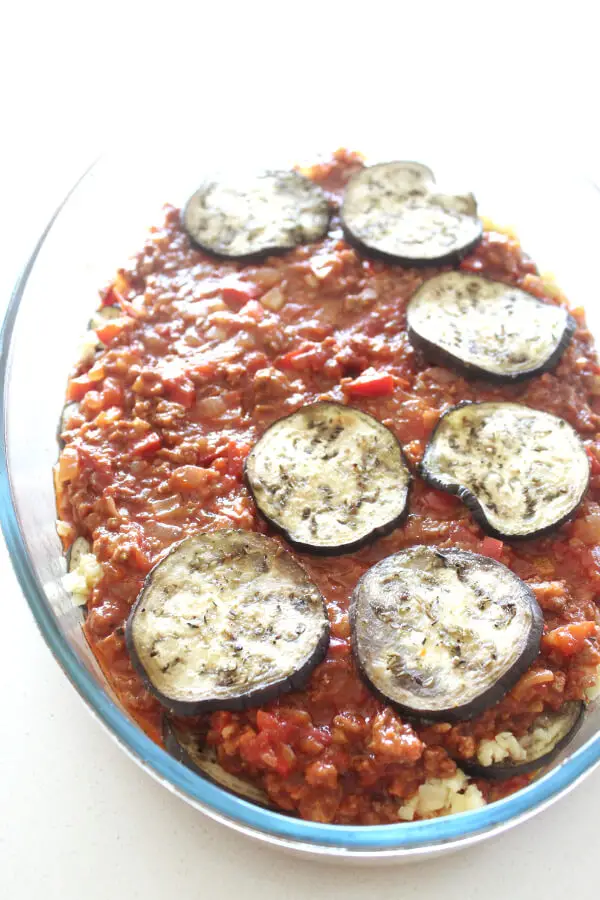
point(204, 356)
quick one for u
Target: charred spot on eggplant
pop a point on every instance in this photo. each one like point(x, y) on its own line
point(487, 328)
point(443, 634)
point(251, 216)
point(190, 748)
point(506, 756)
point(329, 478)
point(521, 471)
point(226, 620)
point(395, 210)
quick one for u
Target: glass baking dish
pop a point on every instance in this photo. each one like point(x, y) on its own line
point(101, 222)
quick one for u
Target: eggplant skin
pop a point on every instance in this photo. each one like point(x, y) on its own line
point(489, 696)
point(343, 549)
point(423, 181)
point(71, 406)
point(443, 357)
point(283, 571)
point(501, 771)
point(472, 503)
point(406, 262)
point(205, 764)
point(304, 220)
point(350, 546)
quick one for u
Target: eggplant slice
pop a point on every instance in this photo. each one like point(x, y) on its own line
point(507, 756)
point(226, 620)
point(396, 211)
point(69, 410)
point(104, 315)
point(191, 750)
point(521, 471)
point(487, 328)
point(329, 478)
point(252, 216)
point(443, 634)
point(80, 547)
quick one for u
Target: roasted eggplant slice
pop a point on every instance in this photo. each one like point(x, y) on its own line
point(329, 478)
point(443, 634)
point(226, 620)
point(80, 547)
point(486, 328)
point(265, 213)
point(69, 410)
point(396, 211)
point(104, 315)
point(191, 750)
point(521, 471)
point(548, 736)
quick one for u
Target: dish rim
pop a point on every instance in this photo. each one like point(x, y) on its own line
point(358, 841)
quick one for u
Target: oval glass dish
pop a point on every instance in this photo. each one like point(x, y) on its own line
point(104, 220)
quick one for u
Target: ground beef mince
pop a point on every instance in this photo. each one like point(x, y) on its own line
point(202, 357)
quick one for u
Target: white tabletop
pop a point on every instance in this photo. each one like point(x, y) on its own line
point(79, 819)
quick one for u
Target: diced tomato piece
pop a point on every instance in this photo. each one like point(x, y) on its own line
point(99, 461)
point(236, 293)
point(286, 759)
point(108, 416)
point(139, 559)
point(287, 360)
point(148, 444)
point(112, 392)
point(131, 310)
point(193, 479)
point(96, 373)
point(68, 464)
point(112, 329)
point(236, 456)
point(181, 390)
point(78, 387)
point(492, 548)
point(440, 502)
point(253, 310)
point(260, 751)
point(112, 297)
point(221, 719)
point(569, 639)
point(266, 721)
point(308, 356)
point(202, 368)
point(281, 730)
point(375, 385)
point(471, 264)
point(414, 451)
point(93, 402)
point(255, 748)
point(594, 461)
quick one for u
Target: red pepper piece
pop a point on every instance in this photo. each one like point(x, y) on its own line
point(492, 548)
point(569, 639)
point(375, 385)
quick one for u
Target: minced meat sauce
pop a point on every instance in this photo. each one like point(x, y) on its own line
point(205, 355)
